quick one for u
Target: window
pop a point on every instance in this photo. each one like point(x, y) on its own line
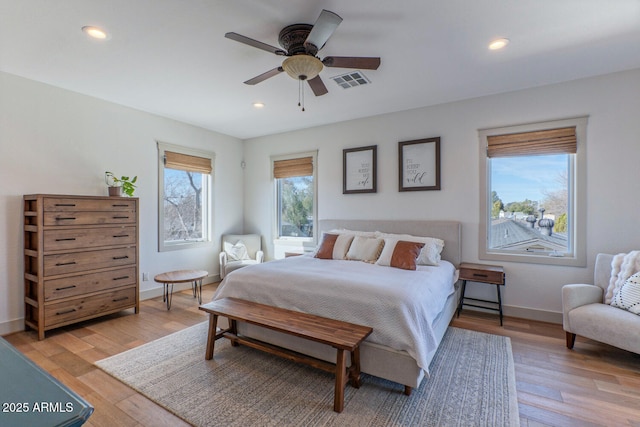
point(295, 188)
point(532, 186)
point(184, 181)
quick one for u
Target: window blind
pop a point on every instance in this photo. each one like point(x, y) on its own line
point(302, 166)
point(550, 141)
point(186, 162)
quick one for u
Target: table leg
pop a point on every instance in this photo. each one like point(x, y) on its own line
point(338, 398)
point(460, 302)
point(197, 290)
point(211, 338)
point(168, 294)
point(499, 303)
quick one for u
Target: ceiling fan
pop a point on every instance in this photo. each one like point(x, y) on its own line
point(301, 43)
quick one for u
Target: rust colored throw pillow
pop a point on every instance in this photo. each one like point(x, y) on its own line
point(326, 247)
point(405, 255)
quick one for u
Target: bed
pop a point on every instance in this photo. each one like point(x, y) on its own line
point(409, 318)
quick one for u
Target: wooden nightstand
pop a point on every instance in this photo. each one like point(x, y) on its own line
point(481, 273)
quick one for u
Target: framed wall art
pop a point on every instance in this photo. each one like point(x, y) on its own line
point(419, 164)
point(359, 170)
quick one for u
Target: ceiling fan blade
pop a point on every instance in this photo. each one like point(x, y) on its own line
point(264, 76)
point(324, 27)
point(317, 86)
point(255, 43)
point(365, 63)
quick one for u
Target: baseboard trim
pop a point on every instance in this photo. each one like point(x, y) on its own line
point(526, 313)
point(11, 326)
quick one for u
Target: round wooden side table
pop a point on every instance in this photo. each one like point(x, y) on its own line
point(181, 276)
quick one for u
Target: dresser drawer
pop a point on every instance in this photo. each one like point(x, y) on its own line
point(482, 275)
point(51, 204)
point(87, 283)
point(86, 307)
point(89, 218)
point(88, 237)
point(88, 260)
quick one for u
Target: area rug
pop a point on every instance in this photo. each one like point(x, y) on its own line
point(472, 383)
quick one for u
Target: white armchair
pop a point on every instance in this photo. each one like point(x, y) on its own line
point(584, 312)
point(239, 250)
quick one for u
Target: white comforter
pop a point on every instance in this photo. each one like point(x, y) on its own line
point(399, 305)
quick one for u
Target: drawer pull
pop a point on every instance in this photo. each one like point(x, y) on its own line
point(122, 205)
point(480, 275)
point(120, 257)
point(59, 264)
point(121, 235)
point(120, 278)
point(67, 239)
point(60, 313)
point(120, 299)
point(66, 218)
point(65, 287)
point(65, 204)
point(120, 217)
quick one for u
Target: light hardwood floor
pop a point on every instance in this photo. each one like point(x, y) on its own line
point(593, 385)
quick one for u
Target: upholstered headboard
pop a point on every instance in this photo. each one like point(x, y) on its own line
point(449, 231)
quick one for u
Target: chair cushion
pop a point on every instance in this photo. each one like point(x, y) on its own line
point(607, 324)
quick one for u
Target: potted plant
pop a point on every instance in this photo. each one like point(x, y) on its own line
point(117, 186)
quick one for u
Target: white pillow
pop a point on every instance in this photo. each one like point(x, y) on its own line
point(365, 249)
point(628, 296)
point(342, 245)
point(429, 255)
point(237, 252)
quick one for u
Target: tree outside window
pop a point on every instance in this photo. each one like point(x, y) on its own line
point(184, 177)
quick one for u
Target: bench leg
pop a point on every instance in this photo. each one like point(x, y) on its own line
point(233, 328)
point(354, 371)
point(211, 338)
point(341, 370)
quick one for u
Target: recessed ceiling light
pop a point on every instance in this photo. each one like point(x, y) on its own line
point(95, 32)
point(258, 105)
point(498, 44)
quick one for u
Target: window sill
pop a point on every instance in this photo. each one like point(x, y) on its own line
point(285, 245)
point(546, 259)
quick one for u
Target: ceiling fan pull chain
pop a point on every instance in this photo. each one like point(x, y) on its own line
point(301, 94)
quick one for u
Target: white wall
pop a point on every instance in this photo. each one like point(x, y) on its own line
point(612, 103)
point(56, 141)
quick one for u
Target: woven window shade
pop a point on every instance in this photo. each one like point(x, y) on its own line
point(302, 166)
point(551, 141)
point(186, 162)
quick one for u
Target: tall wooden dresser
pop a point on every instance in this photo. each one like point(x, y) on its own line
point(80, 258)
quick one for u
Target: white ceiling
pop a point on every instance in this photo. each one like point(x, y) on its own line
point(170, 57)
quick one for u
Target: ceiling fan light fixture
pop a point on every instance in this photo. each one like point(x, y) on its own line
point(498, 44)
point(95, 32)
point(302, 67)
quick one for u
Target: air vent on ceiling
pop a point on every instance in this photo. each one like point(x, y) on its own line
point(352, 79)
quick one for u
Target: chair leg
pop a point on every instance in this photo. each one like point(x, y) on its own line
point(571, 340)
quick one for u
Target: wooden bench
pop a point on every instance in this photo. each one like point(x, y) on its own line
point(342, 336)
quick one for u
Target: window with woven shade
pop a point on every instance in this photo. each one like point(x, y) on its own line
point(532, 187)
point(185, 179)
point(296, 201)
